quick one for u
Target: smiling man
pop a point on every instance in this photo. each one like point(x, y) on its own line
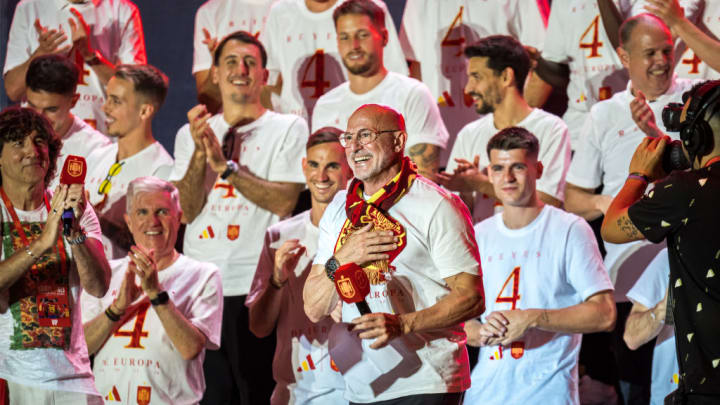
point(602, 158)
point(275, 299)
point(549, 289)
point(134, 95)
point(238, 172)
point(149, 340)
point(415, 243)
point(361, 41)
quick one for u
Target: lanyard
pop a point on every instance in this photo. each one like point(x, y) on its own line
point(21, 232)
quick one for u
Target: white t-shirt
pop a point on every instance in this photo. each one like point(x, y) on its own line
point(435, 33)
point(230, 228)
point(80, 140)
point(523, 269)
point(603, 156)
point(552, 134)
point(223, 17)
point(406, 95)
point(302, 366)
point(116, 32)
point(151, 161)
point(152, 365)
point(648, 291)
point(576, 36)
point(46, 368)
point(440, 244)
point(302, 47)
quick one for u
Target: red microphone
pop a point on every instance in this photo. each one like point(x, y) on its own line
point(73, 172)
point(352, 284)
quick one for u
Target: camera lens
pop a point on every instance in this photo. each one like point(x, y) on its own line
point(673, 157)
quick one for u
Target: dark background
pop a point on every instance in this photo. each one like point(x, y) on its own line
point(168, 27)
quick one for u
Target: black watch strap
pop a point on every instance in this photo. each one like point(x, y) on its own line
point(331, 267)
point(161, 299)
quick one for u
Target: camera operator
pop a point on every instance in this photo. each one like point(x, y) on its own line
point(682, 209)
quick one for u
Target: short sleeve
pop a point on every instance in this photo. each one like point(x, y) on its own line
point(163, 172)
point(267, 39)
point(184, 148)
point(583, 262)
point(460, 150)
point(528, 24)
point(586, 167)
point(132, 45)
point(202, 59)
point(90, 306)
point(207, 307)
point(329, 228)
point(287, 165)
point(556, 37)
point(660, 212)
point(264, 271)
point(451, 239)
point(650, 287)
point(90, 224)
point(555, 157)
point(424, 123)
point(19, 47)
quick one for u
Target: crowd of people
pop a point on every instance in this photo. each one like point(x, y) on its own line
point(353, 214)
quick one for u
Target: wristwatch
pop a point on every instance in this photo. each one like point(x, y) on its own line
point(161, 299)
point(232, 167)
point(331, 267)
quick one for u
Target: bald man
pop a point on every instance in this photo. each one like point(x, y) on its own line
point(610, 137)
point(416, 244)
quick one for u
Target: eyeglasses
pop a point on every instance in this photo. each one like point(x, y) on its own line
point(106, 185)
point(364, 136)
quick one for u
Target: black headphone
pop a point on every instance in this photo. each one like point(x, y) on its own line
point(695, 132)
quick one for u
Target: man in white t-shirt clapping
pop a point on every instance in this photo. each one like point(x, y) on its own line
point(97, 35)
point(51, 83)
point(414, 242)
point(135, 94)
point(361, 40)
point(546, 284)
point(149, 340)
point(497, 68)
point(238, 172)
point(303, 370)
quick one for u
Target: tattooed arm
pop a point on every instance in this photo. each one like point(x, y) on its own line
point(427, 158)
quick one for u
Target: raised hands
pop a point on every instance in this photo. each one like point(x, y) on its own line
point(286, 258)
point(142, 264)
point(79, 31)
point(210, 41)
point(643, 116)
point(467, 177)
point(49, 40)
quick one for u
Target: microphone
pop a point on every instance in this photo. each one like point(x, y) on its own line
point(352, 285)
point(73, 172)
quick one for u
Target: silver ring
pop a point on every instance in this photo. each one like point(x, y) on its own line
point(54, 211)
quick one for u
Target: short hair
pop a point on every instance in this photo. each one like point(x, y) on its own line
point(242, 36)
point(147, 80)
point(150, 184)
point(323, 135)
point(362, 7)
point(503, 52)
point(628, 26)
point(55, 74)
point(16, 123)
point(514, 138)
point(712, 110)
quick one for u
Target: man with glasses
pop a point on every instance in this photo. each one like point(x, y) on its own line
point(134, 95)
point(238, 172)
point(415, 243)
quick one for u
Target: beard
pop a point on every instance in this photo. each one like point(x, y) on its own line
point(362, 69)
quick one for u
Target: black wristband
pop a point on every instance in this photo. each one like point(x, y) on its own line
point(112, 315)
point(161, 299)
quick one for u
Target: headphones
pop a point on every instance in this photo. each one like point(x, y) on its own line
point(695, 132)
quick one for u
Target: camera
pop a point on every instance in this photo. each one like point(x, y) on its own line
point(673, 158)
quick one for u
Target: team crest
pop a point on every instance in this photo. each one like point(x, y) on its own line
point(346, 288)
point(233, 232)
point(517, 349)
point(143, 394)
point(75, 166)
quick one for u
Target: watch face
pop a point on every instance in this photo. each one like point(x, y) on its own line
point(332, 264)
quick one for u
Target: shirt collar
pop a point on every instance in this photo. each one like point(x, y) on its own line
point(669, 92)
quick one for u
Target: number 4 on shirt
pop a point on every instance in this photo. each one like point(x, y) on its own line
point(515, 297)
point(595, 44)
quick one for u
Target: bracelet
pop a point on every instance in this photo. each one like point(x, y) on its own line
point(231, 168)
point(639, 176)
point(79, 240)
point(276, 284)
point(112, 315)
point(31, 254)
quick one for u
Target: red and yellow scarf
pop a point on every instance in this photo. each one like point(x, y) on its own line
point(375, 210)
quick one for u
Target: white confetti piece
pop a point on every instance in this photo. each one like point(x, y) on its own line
point(664, 224)
point(690, 336)
point(699, 307)
point(678, 283)
point(715, 363)
point(702, 181)
point(710, 274)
